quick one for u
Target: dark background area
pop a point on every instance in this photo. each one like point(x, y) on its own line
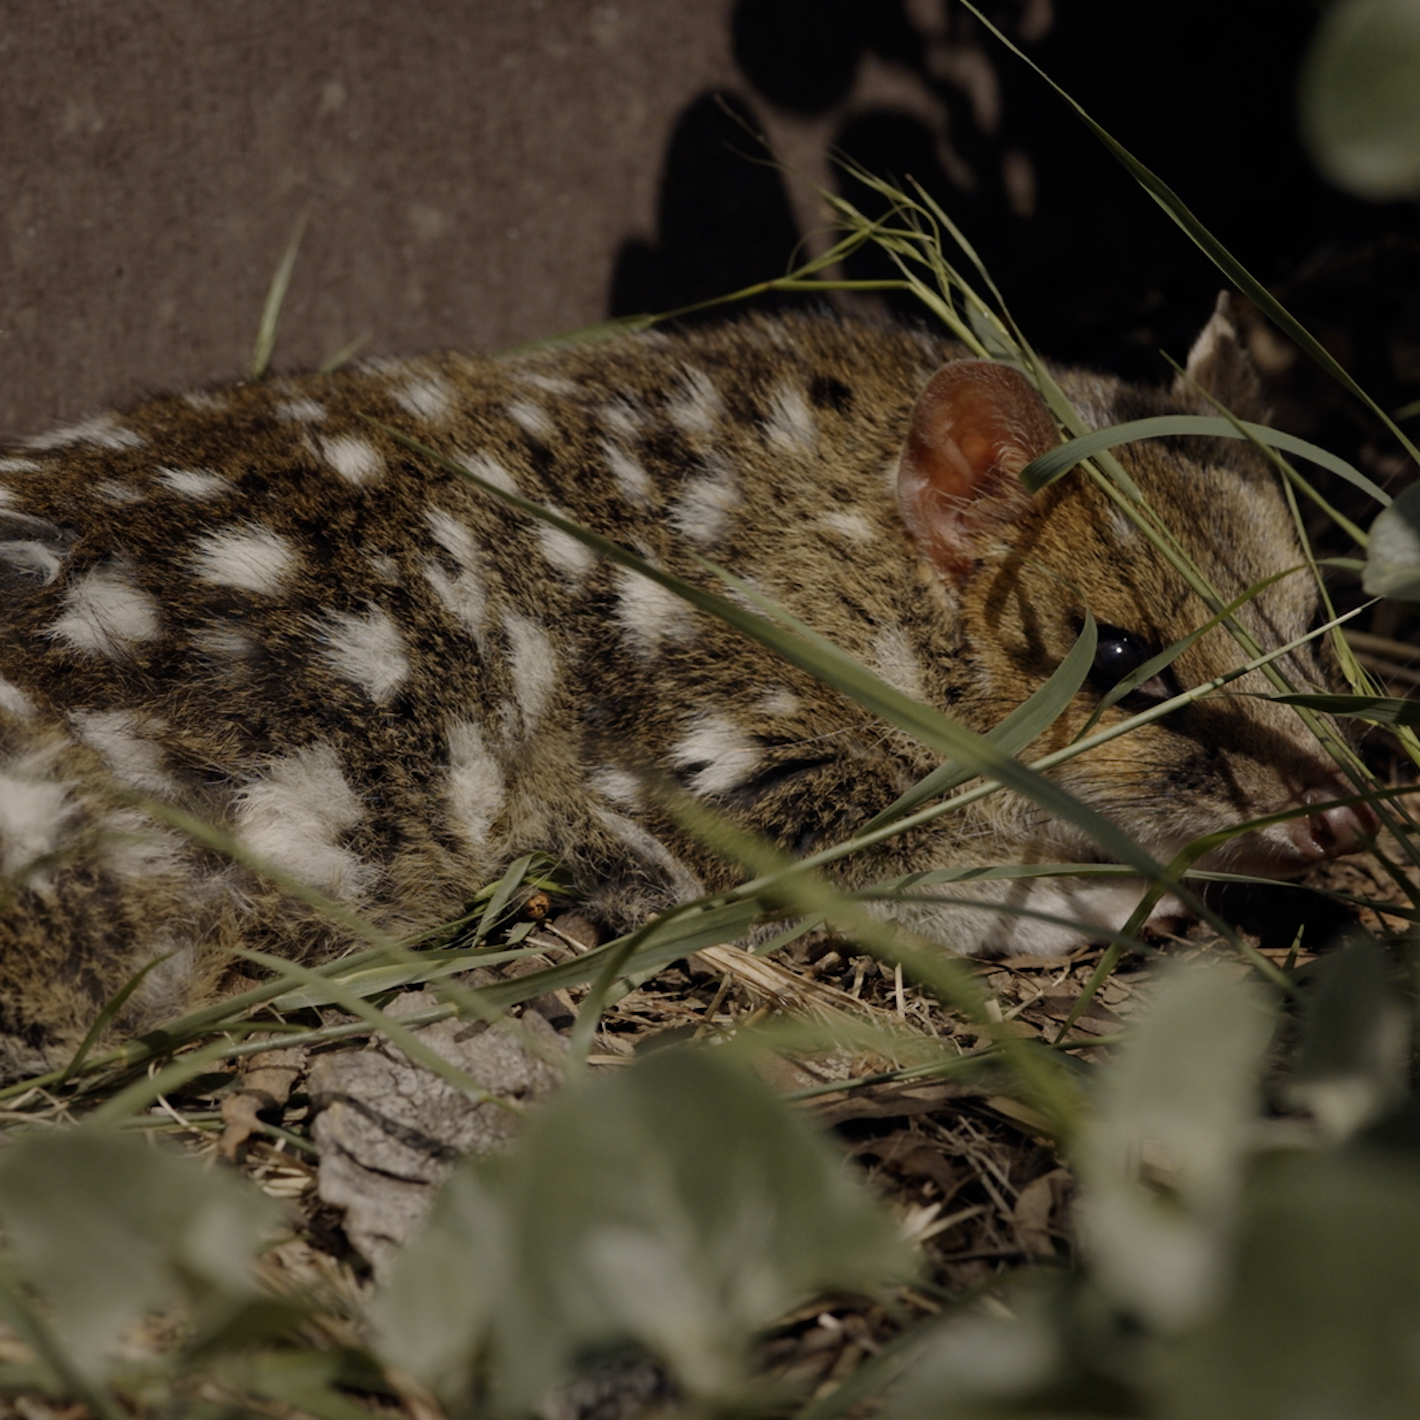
point(485, 172)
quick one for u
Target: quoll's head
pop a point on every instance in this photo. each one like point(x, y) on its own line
point(1023, 573)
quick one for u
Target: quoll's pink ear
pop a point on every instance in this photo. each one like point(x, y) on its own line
point(974, 428)
point(1220, 365)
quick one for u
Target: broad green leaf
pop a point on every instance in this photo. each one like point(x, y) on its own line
point(1360, 97)
point(1187, 1087)
point(1322, 1317)
point(435, 1313)
point(675, 1205)
point(106, 1228)
point(976, 1364)
point(307, 1380)
point(1355, 1040)
point(1393, 554)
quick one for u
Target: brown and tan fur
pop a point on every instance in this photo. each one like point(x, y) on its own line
point(256, 605)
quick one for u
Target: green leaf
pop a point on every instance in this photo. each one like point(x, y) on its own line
point(435, 1313)
point(275, 299)
point(107, 1228)
point(1393, 554)
point(1186, 1087)
point(975, 1365)
point(1360, 97)
point(1376, 709)
point(675, 1205)
point(305, 1380)
point(1323, 1312)
point(1355, 1039)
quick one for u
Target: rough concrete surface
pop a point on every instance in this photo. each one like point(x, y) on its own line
point(480, 172)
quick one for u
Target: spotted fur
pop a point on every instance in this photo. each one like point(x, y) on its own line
point(255, 604)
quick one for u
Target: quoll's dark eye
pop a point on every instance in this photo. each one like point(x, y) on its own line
point(1118, 653)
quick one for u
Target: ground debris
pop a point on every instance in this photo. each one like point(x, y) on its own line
point(388, 1130)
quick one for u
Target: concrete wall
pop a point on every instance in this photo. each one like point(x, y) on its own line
point(479, 172)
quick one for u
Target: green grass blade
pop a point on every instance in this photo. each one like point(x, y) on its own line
point(1376, 709)
point(275, 300)
point(1029, 719)
point(1043, 471)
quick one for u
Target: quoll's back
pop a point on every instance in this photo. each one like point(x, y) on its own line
point(258, 606)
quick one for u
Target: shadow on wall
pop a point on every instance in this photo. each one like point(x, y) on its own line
point(920, 88)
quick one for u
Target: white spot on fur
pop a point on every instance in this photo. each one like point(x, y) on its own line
point(619, 785)
point(33, 813)
point(34, 557)
point(895, 661)
point(250, 557)
point(651, 850)
point(205, 403)
point(533, 664)
point(791, 424)
point(106, 612)
point(124, 739)
point(623, 417)
point(295, 815)
point(428, 397)
point(1015, 918)
point(726, 756)
point(648, 613)
point(225, 641)
point(387, 367)
point(476, 787)
point(532, 419)
point(355, 459)
point(112, 491)
point(564, 552)
point(463, 594)
point(14, 465)
point(300, 411)
point(777, 703)
point(367, 650)
point(14, 701)
point(453, 536)
point(103, 430)
point(134, 848)
point(705, 504)
point(854, 526)
point(696, 407)
point(552, 384)
point(489, 470)
point(197, 483)
point(631, 478)
point(1124, 531)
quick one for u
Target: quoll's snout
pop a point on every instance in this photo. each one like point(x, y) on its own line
point(1335, 829)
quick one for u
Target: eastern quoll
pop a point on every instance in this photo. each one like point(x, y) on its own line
point(256, 605)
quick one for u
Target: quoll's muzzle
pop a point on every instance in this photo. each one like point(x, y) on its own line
point(1335, 829)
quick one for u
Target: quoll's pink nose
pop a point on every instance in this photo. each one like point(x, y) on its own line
point(1330, 832)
